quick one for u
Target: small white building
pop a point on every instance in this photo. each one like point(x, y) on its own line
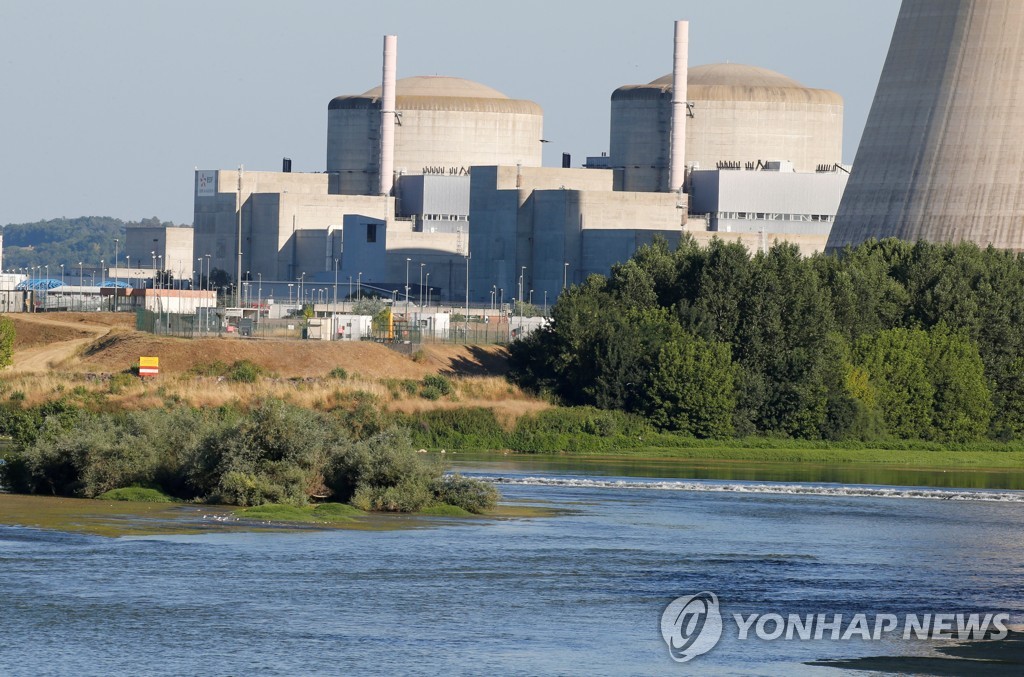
point(173, 301)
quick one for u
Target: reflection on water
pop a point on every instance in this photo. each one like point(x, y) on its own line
point(845, 473)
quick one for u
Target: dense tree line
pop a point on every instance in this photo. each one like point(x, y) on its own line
point(889, 340)
point(87, 238)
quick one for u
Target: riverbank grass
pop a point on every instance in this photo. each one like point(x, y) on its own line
point(325, 513)
point(136, 495)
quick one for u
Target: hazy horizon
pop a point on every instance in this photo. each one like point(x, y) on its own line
point(112, 104)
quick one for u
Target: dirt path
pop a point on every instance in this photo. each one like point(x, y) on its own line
point(44, 357)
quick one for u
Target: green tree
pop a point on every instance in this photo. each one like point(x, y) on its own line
point(895, 361)
point(692, 388)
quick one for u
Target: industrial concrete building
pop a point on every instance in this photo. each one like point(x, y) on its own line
point(942, 155)
point(538, 229)
point(435, 182)
point(154, 248)
point(773, 199)
point(356, 221)
point(737, 115)
point(445, 126)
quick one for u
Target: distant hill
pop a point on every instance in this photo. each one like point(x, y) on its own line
point(68, 241)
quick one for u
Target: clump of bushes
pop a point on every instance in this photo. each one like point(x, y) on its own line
point(435, 386)
point(276, 453)
point(339, 373)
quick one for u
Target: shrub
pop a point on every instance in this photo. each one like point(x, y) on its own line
point(244, 371)
point(442, 383)
point(6, 342)
point(430, 393)
point(420, 356)
point(466, 493)
point(463, 428)
point(119, 382)
point(408, 496)
point(338, 373)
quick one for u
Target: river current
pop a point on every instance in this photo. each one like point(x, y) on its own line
point(578, 593)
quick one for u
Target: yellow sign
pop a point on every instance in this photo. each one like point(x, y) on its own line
point(149, 366)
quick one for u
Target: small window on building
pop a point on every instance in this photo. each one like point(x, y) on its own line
point(371, 232)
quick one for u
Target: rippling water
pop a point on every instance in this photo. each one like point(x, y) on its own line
point(579, 593)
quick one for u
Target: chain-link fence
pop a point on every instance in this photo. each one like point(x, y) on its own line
point(211, 322)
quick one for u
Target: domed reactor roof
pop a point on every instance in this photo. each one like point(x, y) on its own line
point(440, 85)
point(734, 82)
point(942, 156)
point(439, 92)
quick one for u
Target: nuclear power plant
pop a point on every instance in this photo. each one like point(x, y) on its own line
point(942, 156)
point(437, 182)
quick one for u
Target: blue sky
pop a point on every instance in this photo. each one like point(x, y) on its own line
point(107, 106)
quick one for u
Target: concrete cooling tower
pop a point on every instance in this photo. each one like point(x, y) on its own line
point(942, 156)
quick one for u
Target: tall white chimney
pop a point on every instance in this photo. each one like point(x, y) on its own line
point(387, 115)
point(677, 145)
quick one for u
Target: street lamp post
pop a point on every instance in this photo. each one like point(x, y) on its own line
point(427, 298)
point(207, 257)
point(407, 262)
point(468, 257)
point(259, 296)
point(522, 283)
point(359, 286)
point(290, 285)
point(545, 303)
point(531, 298)
point(421, 283)
point(81, 283)
point(565, 275)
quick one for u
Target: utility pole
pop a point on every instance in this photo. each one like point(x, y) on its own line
point(468, 257)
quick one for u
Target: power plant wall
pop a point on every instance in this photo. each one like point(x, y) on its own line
point(446, 125)
point(942, 155)
point(738, 114)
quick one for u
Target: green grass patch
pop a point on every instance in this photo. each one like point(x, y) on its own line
point(325, 512)
point(135, 494)
point(336, 512)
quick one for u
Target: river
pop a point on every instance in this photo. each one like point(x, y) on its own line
point(578, 593)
